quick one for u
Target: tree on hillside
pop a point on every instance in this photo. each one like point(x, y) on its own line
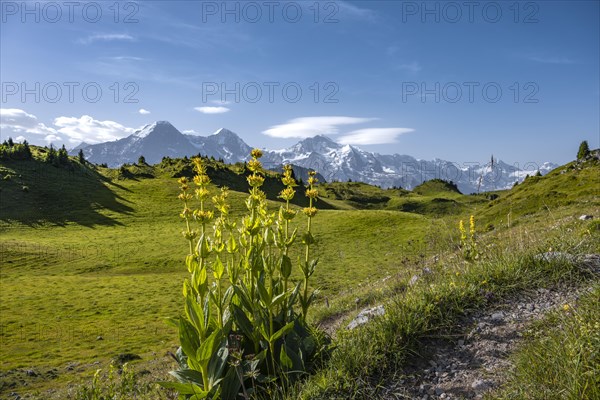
point(51, 156)
point(63, 156)
point(10, 142)
point(584, 150)
point(26, 150)
point(81, 156)
point(141, 160)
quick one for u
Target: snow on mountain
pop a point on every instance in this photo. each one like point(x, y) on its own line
point(222, 144)
point(154, 141)
point(333, 161)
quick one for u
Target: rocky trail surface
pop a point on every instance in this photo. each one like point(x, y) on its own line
point(474, 361)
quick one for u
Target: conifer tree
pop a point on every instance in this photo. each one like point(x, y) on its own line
point(584, 150)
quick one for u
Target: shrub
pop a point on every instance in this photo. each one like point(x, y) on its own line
point(241, 329)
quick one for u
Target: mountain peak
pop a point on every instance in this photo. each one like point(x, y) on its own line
point(318, 144)
point(162, 128)
point(224, 132)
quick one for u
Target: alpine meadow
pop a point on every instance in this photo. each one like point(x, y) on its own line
point(398, 200)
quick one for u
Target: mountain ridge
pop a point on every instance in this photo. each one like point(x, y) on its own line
point(334, 161)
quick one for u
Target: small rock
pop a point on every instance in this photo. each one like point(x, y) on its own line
point(586, 217)
point(438, 391)
point(497, 316)
point(365, 316)
point(479, 385)
point(461, 342)
point(31, 372)
point(413, 280)
point(99, 338)
point(555, 256)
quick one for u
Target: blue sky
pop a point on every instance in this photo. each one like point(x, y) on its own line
point(451, 80)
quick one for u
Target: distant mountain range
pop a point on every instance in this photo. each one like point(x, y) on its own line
point(335, 162)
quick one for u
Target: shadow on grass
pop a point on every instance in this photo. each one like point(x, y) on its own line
point(39, 194)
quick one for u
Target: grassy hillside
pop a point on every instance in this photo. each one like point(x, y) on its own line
point(91, 252)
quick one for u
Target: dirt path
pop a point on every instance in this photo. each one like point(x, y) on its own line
point(467, 365)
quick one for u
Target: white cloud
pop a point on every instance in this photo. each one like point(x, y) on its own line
point(52, 138)
point(107, 37)
point(212, 110)
point(19, 121)
point(143, 111)
point(373, 136)
point(190, 132)
point(87, 129)
point(310, 126)
point(20, 139)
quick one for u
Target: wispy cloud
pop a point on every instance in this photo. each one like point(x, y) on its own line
point(310, 126)
point(413, 67)
point(552, 60)
point(143, 111)
point(190, 132)
point(348, 9)
point(212, 110)
point(106, 37)
point(373, 136)
point(125, 58)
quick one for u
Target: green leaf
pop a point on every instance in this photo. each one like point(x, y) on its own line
point(185, 388)
point(242, 321)
point(218, 268)
point(188, 376)
point(189, 338)
point(194, 314)
point(292, 238)
point(282, 332)
point(243, 297)
point(307, 238)
point(286, 266)
point(231, 245)
point(263, 293)
point(230, 386)
point(312, 266)
point(202, 247)
point(284, 359)
point(207, 347)
point(217, 363)
point(278, 299)
point(191, 262)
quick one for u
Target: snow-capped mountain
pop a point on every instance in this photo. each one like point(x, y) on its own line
point(333, 161)
point(222, 144)
point(154, 141)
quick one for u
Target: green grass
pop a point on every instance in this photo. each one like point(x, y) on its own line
point(365, 357)
point(89, 252)
point(562, 356)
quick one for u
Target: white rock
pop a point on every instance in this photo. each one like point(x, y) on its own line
point(365, 316)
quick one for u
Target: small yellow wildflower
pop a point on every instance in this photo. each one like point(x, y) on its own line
point(310, 211)
point(256, 153)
